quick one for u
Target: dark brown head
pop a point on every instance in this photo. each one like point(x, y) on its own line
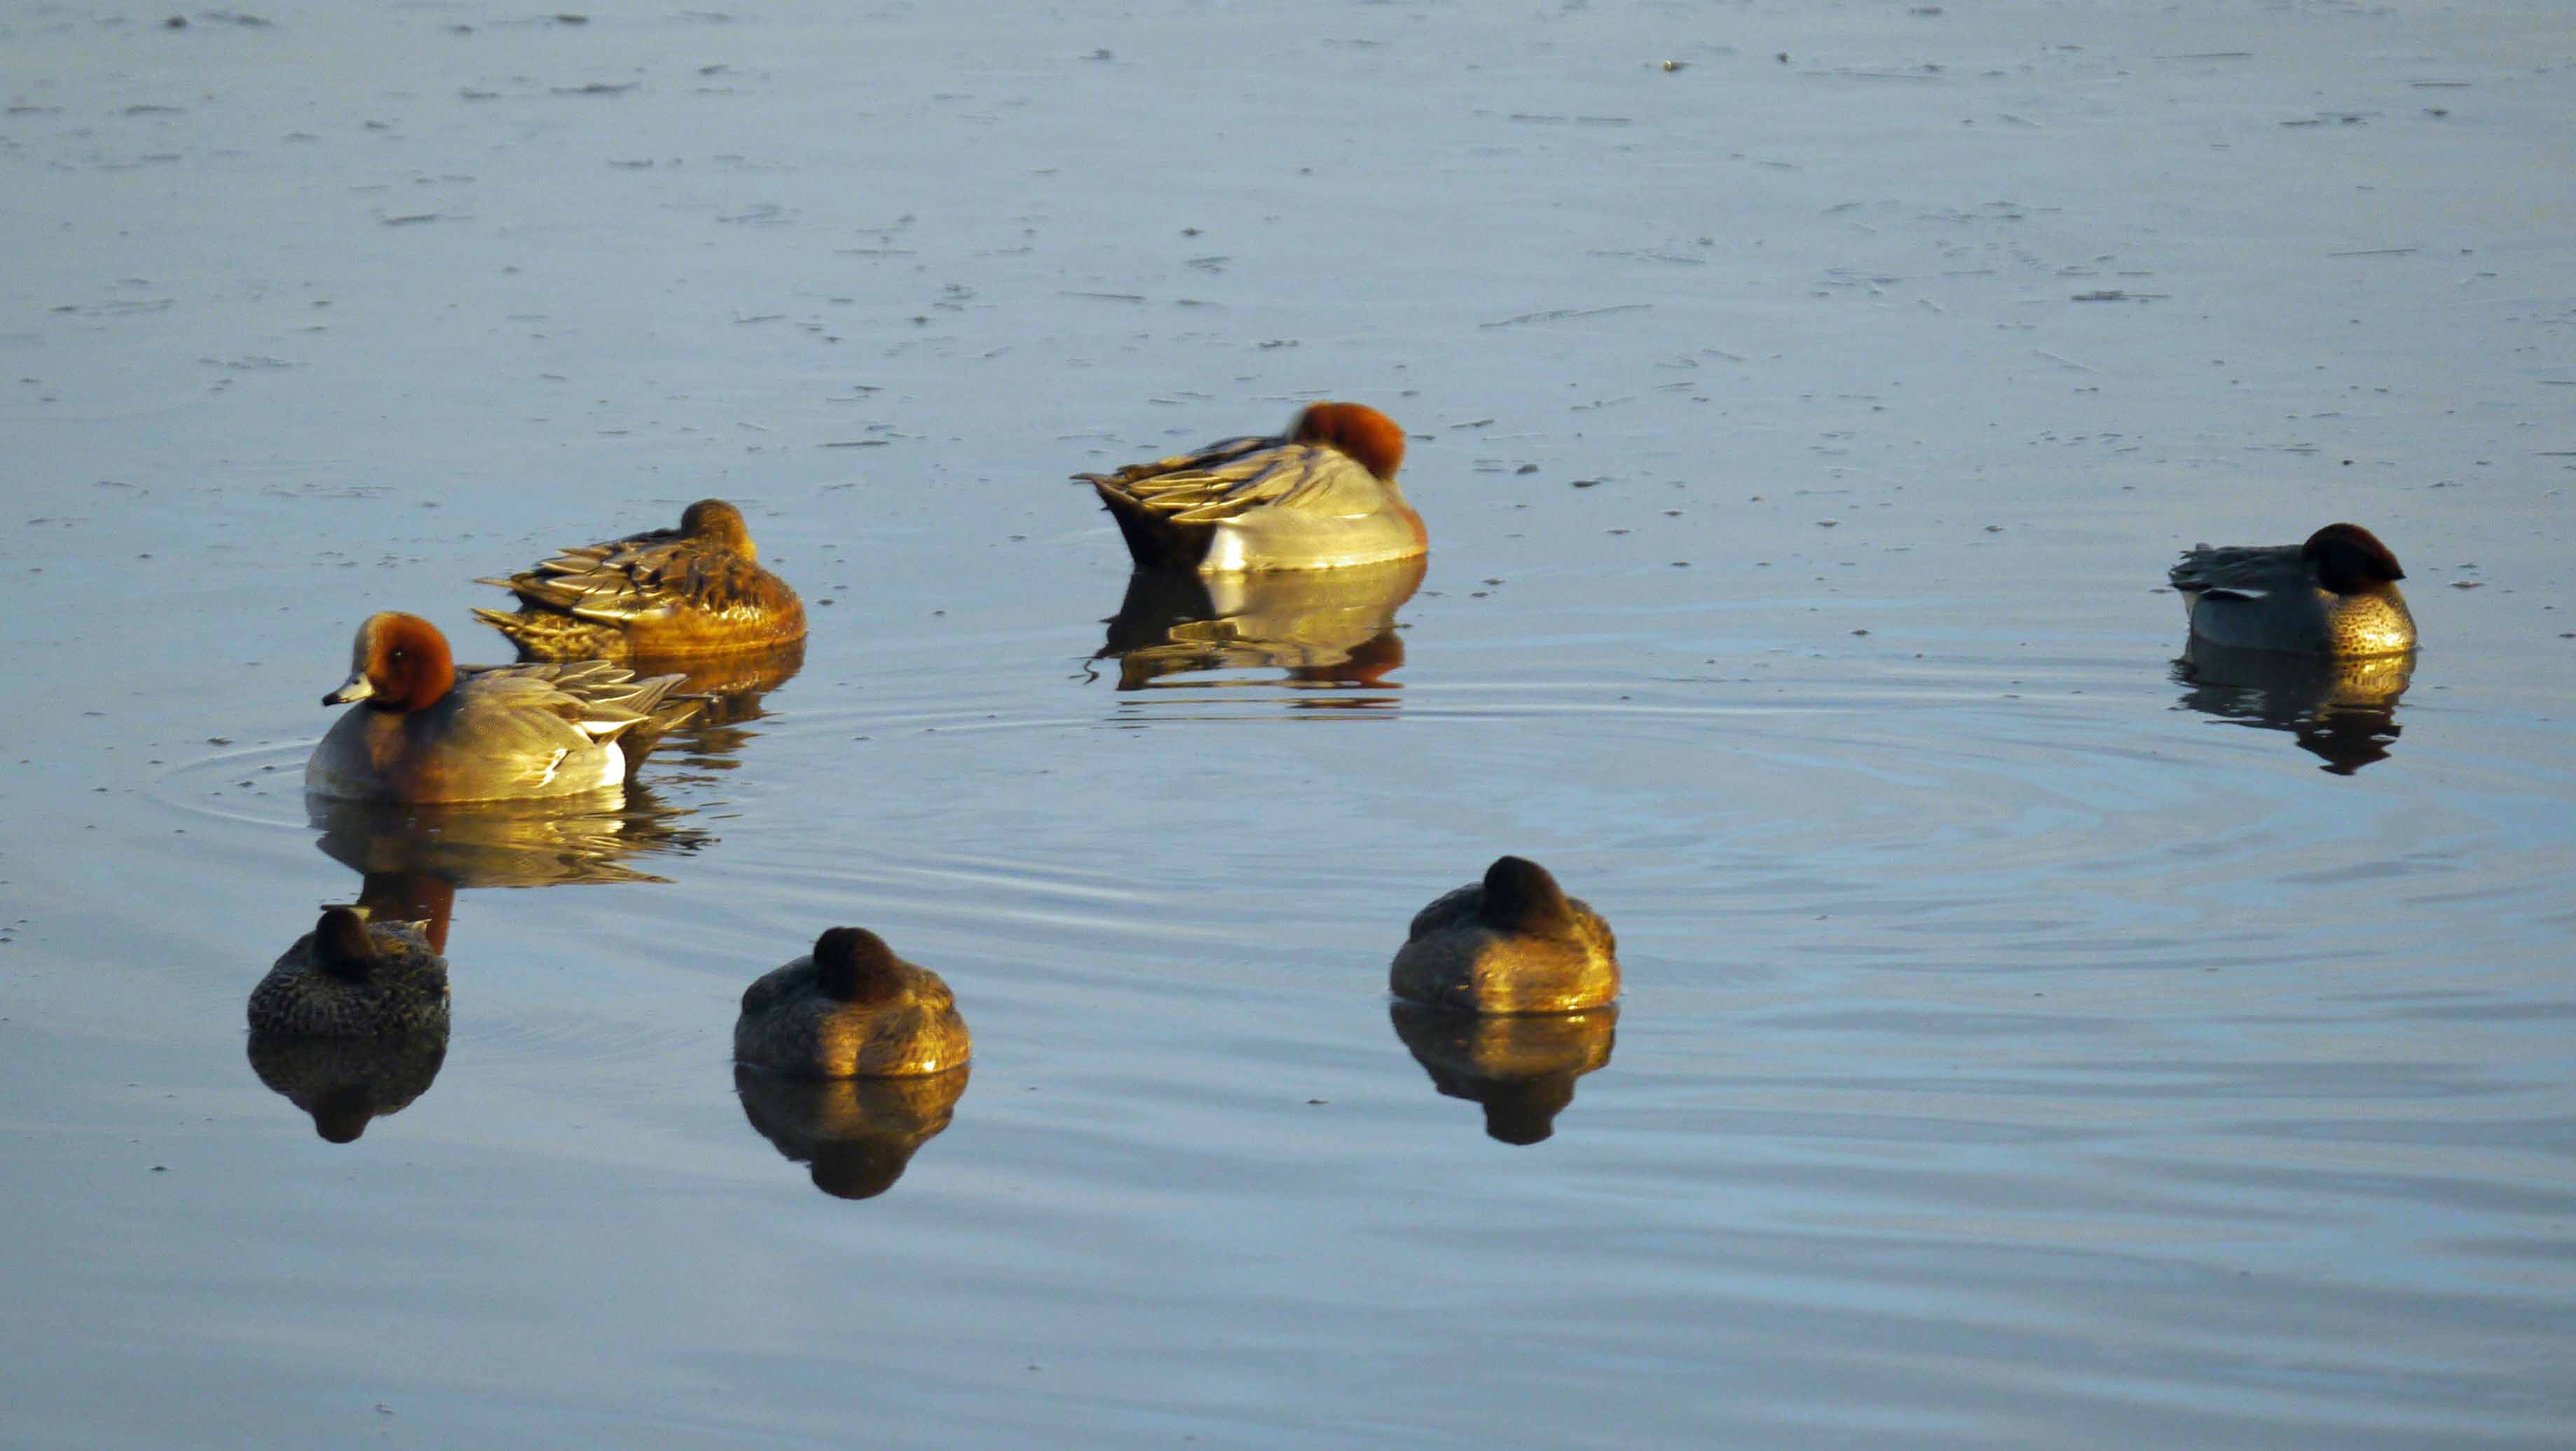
point(1369, 437)
point(398, 662)
point(856, 966)
point(1520, 896)
point(341, 945)
point(2349, 557)
point(713, 521)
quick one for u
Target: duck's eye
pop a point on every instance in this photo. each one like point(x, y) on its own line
point(402, 654)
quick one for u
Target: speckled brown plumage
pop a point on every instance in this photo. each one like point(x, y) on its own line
point(350, 978)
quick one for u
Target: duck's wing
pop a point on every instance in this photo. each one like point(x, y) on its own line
point(2241, 571)
point(600, 700)
point(1459, 908)
point(626, 580)
point(1268, 475)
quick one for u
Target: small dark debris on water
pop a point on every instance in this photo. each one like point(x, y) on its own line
point(1586, 483)
point(2468, 584)
point(1526, 469)
point(176, 22)
point(595, 88)
point(1860, 632)
point(571, 19)
point(1309, 1101)
point(1676, 65)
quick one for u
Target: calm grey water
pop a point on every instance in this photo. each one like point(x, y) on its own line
point(2025, 1044)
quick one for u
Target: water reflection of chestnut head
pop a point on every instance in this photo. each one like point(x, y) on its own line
point(850, 1009)
point(857, 1134)
point(1521, 1067)
point(1512, 943)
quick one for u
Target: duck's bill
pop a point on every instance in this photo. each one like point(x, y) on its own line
point(356, 689)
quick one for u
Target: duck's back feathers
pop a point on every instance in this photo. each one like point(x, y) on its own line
point(2243, 571)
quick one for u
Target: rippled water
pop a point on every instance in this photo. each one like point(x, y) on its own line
point(2031, 1037)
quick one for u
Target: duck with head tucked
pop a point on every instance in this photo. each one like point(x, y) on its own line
point(1512, 943)
point(699, 589)
point(2334, 595)
point(426, 731)
point(1322, 497)
point(850, 1009)
point(352, 978)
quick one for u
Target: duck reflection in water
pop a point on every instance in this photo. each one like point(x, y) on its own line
point(1521, 1067)
point(732, 687)
point(414, 857)
point(351, 1022)
point(1323, 628)
point(856, 1134)
point(2342, 710)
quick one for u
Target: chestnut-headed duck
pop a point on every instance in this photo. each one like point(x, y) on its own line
point(695, 590)
point(1323, 497)
point(2334, 595)
point(429, 732)
point(352, 978)
point(850, 1009)
point(1512, 943)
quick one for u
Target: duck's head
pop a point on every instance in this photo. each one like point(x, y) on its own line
point(1369, 437)
point(1520, 896)
point(341, 945)
point(2349, 557)
point(713, 521)
point(856, 966)
point(399, 662)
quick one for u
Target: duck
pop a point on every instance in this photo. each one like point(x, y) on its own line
point(430, 732)
point(850, 1009)
point(352, 978)
point(1322, 496)
point(2336, 595)
point(699, 589)
point(1511, 943)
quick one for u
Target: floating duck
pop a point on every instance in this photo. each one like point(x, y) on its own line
point(429, 732)
point(2334, 595)
point(695, 590)
point(1323, 497)
point(1512, 943)
point(850, 1009)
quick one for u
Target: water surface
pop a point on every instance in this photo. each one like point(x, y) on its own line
point(2030, 1038)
